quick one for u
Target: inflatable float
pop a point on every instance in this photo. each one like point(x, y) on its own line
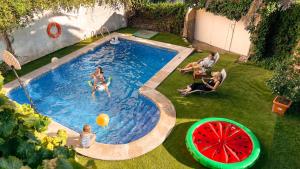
point(222, 144)
point(114, 41)
point(100, 87)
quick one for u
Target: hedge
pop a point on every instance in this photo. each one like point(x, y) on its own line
point(164, 17)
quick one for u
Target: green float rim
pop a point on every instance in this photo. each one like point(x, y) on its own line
point(207, 162)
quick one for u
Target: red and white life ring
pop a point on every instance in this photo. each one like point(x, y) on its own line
point(58, 32)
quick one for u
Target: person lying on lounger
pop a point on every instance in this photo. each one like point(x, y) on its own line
point(200, 66)
point(210, 85)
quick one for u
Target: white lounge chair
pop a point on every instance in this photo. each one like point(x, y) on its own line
point(224, 75)
point(216, 57)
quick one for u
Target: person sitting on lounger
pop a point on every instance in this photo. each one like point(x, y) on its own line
point(200, 66)
point(87, 138)
point(210, 85)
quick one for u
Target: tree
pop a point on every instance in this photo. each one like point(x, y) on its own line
point(20, 13)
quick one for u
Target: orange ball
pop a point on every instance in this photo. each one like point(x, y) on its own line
point(102, 120)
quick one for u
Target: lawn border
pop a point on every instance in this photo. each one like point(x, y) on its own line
point(167, 111)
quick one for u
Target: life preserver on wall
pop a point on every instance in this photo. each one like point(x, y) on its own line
point(58, 27)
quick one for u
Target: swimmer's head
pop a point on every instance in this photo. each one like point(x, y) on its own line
point(211, 56)
point(99, 69)
point(86, 128)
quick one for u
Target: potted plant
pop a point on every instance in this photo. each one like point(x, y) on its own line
point(281, 104)
point(285, 83)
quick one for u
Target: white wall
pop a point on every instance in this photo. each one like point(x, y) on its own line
point(221, 32)
point(33, 41)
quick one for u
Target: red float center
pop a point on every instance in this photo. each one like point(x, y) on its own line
point(222, 141)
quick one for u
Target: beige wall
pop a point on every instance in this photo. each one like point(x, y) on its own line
point(221, 32)
point(33, 42)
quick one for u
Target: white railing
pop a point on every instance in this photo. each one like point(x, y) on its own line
point(104, 30)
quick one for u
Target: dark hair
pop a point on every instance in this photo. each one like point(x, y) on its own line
point(212, 53)
point(100, 68)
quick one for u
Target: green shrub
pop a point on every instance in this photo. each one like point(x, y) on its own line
point(231, 9)
point(163, 17)
point(286, 82)
point(276, 36)
point(4, 68)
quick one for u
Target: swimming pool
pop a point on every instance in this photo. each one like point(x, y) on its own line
point(64, 95)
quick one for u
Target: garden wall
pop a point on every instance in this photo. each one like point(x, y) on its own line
point(221, 32)
point(33, 42)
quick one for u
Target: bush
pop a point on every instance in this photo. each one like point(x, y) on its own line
point(22, 141)
point(231, 9)
point(162, 17)
point(286, 82)
point(276, 36)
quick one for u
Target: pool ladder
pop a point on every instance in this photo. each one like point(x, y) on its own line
point(104, 30)
point(101, 31)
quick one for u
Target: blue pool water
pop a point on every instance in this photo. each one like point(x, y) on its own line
point(64, 95)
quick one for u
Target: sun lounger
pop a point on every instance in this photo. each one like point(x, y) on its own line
point(224, 75)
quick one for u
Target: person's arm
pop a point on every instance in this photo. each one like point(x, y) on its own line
point(95, 81)
point(200, 60)
point(211, 87)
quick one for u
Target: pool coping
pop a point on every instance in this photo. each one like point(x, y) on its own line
point(142, 145)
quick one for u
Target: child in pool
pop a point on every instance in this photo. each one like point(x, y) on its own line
point(98, 77)
point(87, 138)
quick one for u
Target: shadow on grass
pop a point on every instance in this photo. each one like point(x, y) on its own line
point(284, 153)
point(175, 145)
point(91, 164)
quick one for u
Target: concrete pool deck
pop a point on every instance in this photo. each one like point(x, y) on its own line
point(138, 147)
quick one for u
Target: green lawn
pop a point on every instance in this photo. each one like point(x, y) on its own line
point(243, 97)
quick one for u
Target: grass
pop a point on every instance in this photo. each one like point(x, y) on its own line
point(243, 97)
point(162, 37)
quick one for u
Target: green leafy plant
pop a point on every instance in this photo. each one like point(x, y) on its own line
point(285, 82)
point(163, 17)
point(11, 162)
point(231, 9)
point(276, 35)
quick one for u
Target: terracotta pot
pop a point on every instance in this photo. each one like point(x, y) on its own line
point(281, 104)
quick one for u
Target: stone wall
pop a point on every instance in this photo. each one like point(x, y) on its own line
point(33, 41)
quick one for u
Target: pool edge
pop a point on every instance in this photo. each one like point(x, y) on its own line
point(144, 144)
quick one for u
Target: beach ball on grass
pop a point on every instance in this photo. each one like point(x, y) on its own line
point(102, 120)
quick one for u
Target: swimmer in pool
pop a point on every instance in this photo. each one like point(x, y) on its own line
point(98, 77)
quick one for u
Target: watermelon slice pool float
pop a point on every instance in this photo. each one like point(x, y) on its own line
point(222, 143)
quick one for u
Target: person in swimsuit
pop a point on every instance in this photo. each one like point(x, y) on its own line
point(200, 66)
point(98, 77)
point(210, 85)
point(87, 138)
